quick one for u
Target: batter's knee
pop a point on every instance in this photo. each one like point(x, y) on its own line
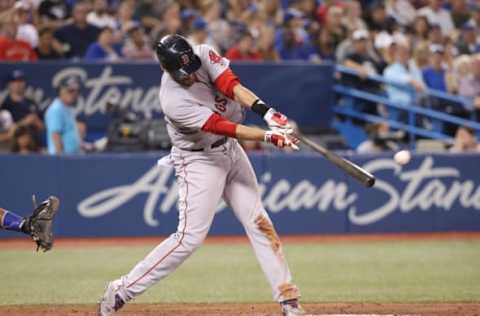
point(192, 241)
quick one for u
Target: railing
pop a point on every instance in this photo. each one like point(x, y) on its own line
point(349, 95)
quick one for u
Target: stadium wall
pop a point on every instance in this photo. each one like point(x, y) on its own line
point(129, 195)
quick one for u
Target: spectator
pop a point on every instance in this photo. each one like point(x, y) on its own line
point(7, 128)
point(147, 12)
point(468, 43)
point(12, 49)
point(435, 35)
point(77, 36)
point(469, 84)
point(26, 31)
point(360, 60)
point(475, 20)
point(465, 141)
point(199, 34)
point(383, 45)
point(104, 49)
point(292, 42)
point(272, 11)
point(323, 9)
point(420, 60)
point(459, 76)
point(253, 22)
point(334, 27)
point(266, 44)
point(124, 16)
point(137, 46)
point(420, 30)
point(365, 65)
point(353, 17)
point(460, 14)
point(377, 18)
point(434, 75)
point(451, 52)
point(23, 111)
point(6, 4)
point(187, 16)
point(399, 72)
point(380, 139)
point(53, 13)
point(239, 12)
point(307, 7)
point(219, 29)
point(401, 10)
point(48, 47)
point(159, 18)
point(245, 49)
point(62, 131)
point(100, 17)
point(23, 141)
point(325, 46)
point(438, 15)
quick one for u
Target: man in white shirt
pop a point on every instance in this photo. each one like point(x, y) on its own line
point(100, 16)
point(438, 15)
point(26, 31)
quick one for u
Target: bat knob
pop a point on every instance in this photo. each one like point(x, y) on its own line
point(370, 182)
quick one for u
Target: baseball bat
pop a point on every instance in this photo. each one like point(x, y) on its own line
point(363, 176)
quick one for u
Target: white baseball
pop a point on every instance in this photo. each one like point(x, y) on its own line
point(402, 157)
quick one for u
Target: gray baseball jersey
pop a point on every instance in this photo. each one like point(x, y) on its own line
point(187, 109)
point(204, 178)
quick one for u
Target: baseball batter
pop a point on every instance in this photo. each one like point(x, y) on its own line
point(204, 103)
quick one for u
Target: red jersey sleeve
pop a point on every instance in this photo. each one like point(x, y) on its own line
point(219, 125)
point(226, 82)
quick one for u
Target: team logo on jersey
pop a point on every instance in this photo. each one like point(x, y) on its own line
point(185, 59)
point(214, 57)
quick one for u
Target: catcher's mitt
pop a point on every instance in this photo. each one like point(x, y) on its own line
point(39, 224)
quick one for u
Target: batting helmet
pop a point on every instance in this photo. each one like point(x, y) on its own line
point(176, 56)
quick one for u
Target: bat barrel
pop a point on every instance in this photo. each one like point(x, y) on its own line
point(361, 175)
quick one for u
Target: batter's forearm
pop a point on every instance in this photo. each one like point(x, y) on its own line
point(244, 96)
point(250, 100)
point(243, 132)
point(219, 125)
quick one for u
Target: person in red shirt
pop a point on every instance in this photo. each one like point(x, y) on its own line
point(245, 49)
point(12, 49)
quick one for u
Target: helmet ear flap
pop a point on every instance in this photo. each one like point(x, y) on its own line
point(159, 49)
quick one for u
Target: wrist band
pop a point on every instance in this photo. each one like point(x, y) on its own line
point(259, 107)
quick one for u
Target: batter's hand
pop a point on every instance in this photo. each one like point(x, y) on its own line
point(281, 139)
point(277, 121)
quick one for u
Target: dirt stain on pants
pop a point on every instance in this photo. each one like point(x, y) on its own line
point(289, 291)
point(268, 230)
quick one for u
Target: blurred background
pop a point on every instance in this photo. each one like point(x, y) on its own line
point(366, 78)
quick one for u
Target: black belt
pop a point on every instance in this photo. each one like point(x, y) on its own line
point(218, 143)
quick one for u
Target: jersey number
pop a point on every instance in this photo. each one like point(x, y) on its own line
point(220, 103)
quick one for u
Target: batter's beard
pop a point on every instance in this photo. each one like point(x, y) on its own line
point(187, 82)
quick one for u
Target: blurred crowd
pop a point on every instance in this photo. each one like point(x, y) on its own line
point(262, 30)
point(25, 128)
point(425, 43)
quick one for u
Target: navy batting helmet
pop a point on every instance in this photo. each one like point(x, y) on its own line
point(176, 56)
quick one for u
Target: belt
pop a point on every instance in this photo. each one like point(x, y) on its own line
point(218, 143)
